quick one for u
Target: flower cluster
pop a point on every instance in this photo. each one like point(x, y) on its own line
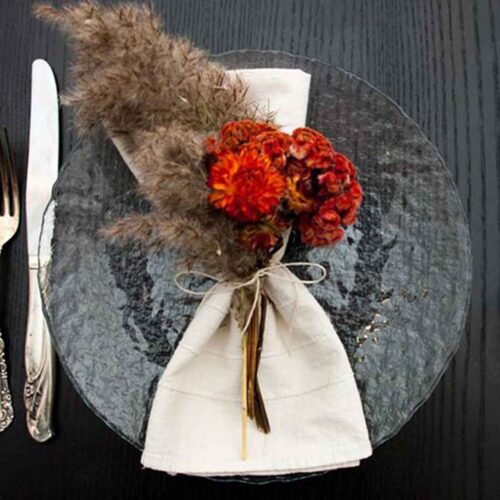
point(269, 180)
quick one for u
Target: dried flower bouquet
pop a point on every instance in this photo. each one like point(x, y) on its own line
point(226, 185)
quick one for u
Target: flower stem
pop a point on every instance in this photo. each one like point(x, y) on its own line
point(244, 392)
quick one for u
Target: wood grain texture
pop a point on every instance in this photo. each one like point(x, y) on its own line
point(439, 59)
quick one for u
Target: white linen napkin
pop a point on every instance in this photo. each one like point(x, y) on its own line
point(311, 398)
point(284, 92)
point(313, 404)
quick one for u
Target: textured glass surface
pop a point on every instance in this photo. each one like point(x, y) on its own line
point(397, 289)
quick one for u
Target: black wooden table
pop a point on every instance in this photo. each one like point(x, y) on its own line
point(439, 59)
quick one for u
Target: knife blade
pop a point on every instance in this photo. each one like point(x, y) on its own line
point(43, 161)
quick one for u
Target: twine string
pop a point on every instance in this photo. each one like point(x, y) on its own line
point(267, 271)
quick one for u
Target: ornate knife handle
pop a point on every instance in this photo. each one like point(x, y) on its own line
point(39, 362)
point(6, 410)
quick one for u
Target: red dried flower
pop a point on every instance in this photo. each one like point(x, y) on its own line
point(343, 165)
point(256, 171)
point(211, 144)
point(329, 182)
point(266, 138)
point(245, 185)
point(328, 213)
point(300, 195)
point(274, 144)
point(236, 134)
point(341, 208)
point(337, 178)
point(313, 148)
point(356, 192)
point(318, 231)
point(348, 203)
point(336, 203)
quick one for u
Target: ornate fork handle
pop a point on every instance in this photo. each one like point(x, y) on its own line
point(6, 410)
point(9, 222)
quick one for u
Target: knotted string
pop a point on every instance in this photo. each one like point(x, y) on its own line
point(254, 280)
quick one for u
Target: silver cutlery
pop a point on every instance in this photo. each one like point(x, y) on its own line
point(43, 160)
point(9, 222)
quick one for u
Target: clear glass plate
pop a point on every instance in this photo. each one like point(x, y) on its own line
point(397, 290)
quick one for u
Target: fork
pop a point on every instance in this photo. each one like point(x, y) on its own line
point(9, 222)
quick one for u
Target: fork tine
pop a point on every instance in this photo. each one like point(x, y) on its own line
point(12, 176)
point(15, 195)
point(4, 173)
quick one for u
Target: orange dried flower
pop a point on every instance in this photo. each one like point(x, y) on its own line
point(245, 185)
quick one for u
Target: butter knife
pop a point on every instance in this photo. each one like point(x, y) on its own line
point(43, 160)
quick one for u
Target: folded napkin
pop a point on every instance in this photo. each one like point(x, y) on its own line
point(311, 398)
point(283, 92)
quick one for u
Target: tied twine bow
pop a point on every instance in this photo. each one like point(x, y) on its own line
point(252, 332)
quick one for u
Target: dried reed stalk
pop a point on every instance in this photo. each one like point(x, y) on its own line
point(158, 96)
point(254, 341)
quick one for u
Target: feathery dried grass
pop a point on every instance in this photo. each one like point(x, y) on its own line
point(130, 75)
point(159, 96)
